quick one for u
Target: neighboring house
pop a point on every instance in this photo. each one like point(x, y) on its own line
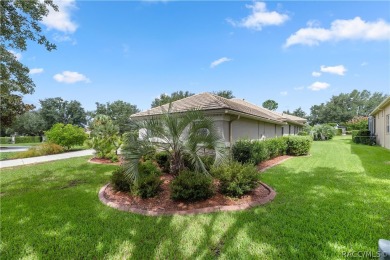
point(234, 118)
point(379, 123)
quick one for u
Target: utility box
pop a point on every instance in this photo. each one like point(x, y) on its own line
point(384, 249)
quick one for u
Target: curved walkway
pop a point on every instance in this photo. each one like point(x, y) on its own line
point(46, 158)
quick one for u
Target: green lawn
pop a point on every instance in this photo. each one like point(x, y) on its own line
point(21, 144)
point(333, 201)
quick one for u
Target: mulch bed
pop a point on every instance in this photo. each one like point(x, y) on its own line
point(162, 204)
point(103, 161)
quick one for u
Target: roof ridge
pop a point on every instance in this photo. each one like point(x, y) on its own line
point(218, 99)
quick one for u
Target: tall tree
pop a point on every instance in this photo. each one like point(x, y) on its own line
point(57, 110)
point(270, 104)
point(166, 99)
point(30, 123)
point(345, 106)
point(299, 112)
point(19, 24)
point(224, 93)
point(119, 112)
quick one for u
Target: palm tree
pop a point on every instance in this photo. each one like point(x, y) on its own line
point(179, 134)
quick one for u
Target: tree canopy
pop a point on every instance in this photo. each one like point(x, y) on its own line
point(270, 104)
point(224, 93)
point(166, 99)
point(345, 106)
point(297, 112)
point(119, 112)
point(57, 110)
point(19, 24)
point(30, 123)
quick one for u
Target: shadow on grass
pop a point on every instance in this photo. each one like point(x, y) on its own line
point(316, 214)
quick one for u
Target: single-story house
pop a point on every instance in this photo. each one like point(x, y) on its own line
point(234, 118)
point(379, 123)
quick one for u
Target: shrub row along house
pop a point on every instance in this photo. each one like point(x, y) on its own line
point(379, 123)
point(234, 118)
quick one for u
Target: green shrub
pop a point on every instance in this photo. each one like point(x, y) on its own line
point(303, 133)
point(119, 180)
point(298, 145)
point(276, 146)
point(236, 179)
point(242, 151)
point(322, 132)
point(208, 161)
point(5, 140)
point(27, 139)
point(192, 186)
point(339, 131)
point(348, 132)
point(259, 152)
point(148, 186)
point(66, 135)
point(40, 150)
point(354, 133)
point(363, 137)
point(147, 168)
point(162, 159)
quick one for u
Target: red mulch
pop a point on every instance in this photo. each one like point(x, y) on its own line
point(275, 161)
point(163, 202)
point(104, 161)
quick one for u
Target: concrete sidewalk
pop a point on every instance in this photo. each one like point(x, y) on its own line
point(46, 158)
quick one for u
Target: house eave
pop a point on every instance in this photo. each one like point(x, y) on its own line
point(381, 106)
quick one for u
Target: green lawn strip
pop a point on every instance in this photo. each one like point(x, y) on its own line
point(21, 144)
point(6, 155)
point(332, 201)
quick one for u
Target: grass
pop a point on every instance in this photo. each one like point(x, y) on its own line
point(335, 201)
point(6, 155)
point(21, 144)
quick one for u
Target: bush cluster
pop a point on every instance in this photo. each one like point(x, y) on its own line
point(323, 132)
point(236, 179)
point(40, 150)
point(148, 184)
point(246, 151)
point(362, 137)
point(192, 186)
point(66, 135)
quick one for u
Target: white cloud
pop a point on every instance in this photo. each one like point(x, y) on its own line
point(283, 93)
point(316, 74)
point(318, 86)
point(61, 20)
point(338, 70)
point(71, 77)
point(299, 88)
point(354, 29)
point(17, 55)
point(219, 62)
point(260, 17)
point(36, 71)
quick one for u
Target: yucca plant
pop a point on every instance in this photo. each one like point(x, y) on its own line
point(179, 134)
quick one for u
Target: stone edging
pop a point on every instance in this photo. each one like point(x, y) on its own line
point(115, 205)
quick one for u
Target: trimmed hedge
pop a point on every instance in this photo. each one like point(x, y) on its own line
point(363, 137)
point(246, 151)
point(339, 131)
point(298, 145)
point(27, 139)
point(5, 140)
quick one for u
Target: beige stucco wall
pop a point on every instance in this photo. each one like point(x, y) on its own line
point(252, 129)
point(382, 137)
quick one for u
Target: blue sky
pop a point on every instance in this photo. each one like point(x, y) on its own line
point(296, 53)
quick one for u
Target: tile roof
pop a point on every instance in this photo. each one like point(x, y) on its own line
point(208, 101)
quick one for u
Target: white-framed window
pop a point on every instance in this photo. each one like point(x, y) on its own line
point(388, 123)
